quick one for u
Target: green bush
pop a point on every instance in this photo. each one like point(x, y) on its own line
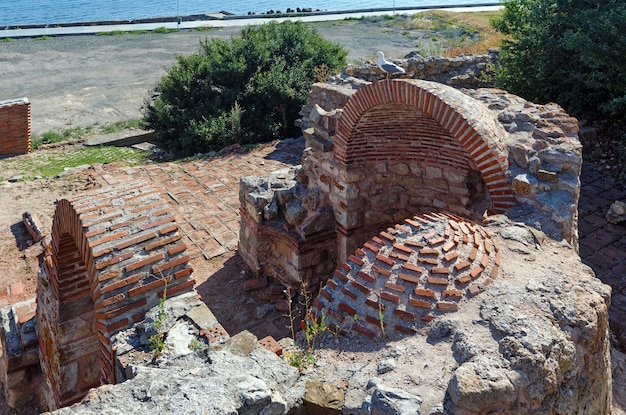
point(248, 90)
point(567, 51)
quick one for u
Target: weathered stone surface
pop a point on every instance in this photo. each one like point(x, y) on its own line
point(617, 212)
point(384, 400)
point(323, 398)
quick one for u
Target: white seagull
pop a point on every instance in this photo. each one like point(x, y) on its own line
point(388, 67)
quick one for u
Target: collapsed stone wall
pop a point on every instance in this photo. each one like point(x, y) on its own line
point(14, 127)
point(465, 71)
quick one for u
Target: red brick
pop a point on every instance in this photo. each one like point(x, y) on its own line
point(419, 303)
point(337, 316)
point(179, 288)
point(413, 243)
point(461, 265)
point(361, 287)
point(437, 281)
point(474, 273)
point(404, 330)
point(484, 261)
point(346, 267)
point(135, 241)
point(365, 276)
point(107, 238)
point(423, 292)
point(451, 256)
point(176, 249)
point(390, 297)
point(162, 242)
point(440, 270)
point(473, 290)
point(183, 273)
point(427, 319)
point(144, 262)
point(147, 287)
point(435, 241)
point(324, 293)
point(413, 267)
point(387, 236)
point(365, 332)
point(356, 260)
point(375, 321)
point(347, 309)
point(447, 306)
point(168, 229)
point(375, 305)
point(158, 269)
point(399, 256)
point(451, 293)
point(429, 251)
point(371, 247)
point(349, 293)
point(381, 270)
point(110, 300)
point(463, 278)
point(385, 260)
point(157, 223)
point(405, 315)
point(403, 248)
point(331, 283)
point(119, 284)
point(409, 278)
point(340, 276)
point(395, 287)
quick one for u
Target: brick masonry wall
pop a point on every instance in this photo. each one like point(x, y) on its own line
point(408, 275)
point(110, 255)
point(14, 127)
point(383, 151)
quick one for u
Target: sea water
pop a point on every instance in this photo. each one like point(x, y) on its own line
point(24, 12)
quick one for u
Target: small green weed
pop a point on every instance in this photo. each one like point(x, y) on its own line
point(164, 29)
point(314, 327)
point(7, 40)
point(43, 38)
point(157, 340)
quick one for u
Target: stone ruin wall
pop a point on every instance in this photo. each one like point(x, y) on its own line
point(107, 261)
point(14, 127)
point(377, 153)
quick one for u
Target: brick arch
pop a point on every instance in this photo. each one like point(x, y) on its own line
point(451, 118)
point(110, 254)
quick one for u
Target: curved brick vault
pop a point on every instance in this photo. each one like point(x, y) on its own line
point(408, 275)
point(411, 120)
point(110, 255)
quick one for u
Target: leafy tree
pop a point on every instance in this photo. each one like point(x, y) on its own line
point(567, 51)
point(250, 89)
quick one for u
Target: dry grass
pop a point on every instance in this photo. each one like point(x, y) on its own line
point(478, 21)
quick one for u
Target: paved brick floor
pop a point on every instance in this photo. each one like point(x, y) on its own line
point(603, 244)
point(204, 194)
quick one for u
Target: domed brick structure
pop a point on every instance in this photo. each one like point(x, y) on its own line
point(408, 275)
point(112, 253)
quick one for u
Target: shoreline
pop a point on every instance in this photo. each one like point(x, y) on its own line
point(221, 19)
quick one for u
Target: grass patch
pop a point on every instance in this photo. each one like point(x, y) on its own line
point(76, 133)
point(441, 32)
point(43, 38)
point(50, 164)
point(160, 30)
point(164, 29)
point(7, 40)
